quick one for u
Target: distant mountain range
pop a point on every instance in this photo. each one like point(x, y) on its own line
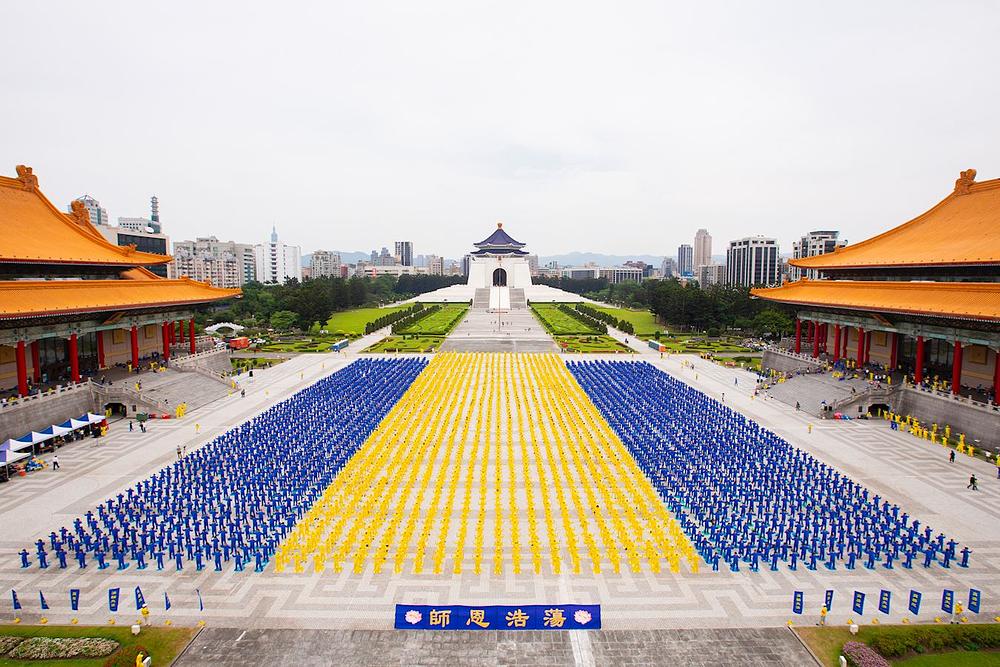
point(581, 258)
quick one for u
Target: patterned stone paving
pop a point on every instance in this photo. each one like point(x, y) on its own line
point(911, 472)
point(696, 648)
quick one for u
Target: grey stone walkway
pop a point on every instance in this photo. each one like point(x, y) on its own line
point(764, 646)
point(514, 331)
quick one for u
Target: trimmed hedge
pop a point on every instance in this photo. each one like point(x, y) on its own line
point(896, 642)
point(622, 325)
point(592, 323)
point(392, 317)
point(413, 317)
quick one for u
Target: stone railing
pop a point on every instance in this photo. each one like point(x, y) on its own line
point(869, 395)
point(127, 396)
point(47, 395)
point(954, 398)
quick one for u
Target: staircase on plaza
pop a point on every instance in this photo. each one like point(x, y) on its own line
point(517, 299)
point(481, 300)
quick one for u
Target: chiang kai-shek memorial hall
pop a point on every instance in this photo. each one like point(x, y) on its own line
point(71, 303)
point(923, 297)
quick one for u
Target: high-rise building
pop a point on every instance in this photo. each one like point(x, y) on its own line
point(753, 261)
point(435, 265)
point(325, 263)
point(277, 262)
point(466, 261)
point(814, 243)
point(533, 265)
point(223, 263)
point(711, 274)
point(98, 215)
point(404, 252)
point(702, 248)
point(669, 267)
point(685, 260)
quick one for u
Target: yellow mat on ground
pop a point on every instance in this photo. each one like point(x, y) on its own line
point(490, 462)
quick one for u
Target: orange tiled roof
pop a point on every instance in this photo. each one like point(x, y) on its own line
point(973, 301)
point(963, 229)
point(35, 298)
point(32, 230)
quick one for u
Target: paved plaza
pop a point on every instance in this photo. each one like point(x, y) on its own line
point(699, 648)
point(904, 470)
point(512, 331)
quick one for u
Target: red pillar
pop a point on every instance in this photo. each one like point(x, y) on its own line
point(36, 362)
point(135, 347)
point(74, 359)
point(861, 346)
point(868, 346)
point(166, 329)
point(847, 335)
point(191, 336)
point(100, 349)
point(956, 368)
point(815, 339)
point(836, 343)
point(180, 331)
point(918, 375)
point(893, 343)
point(22, 369)
point(798, 335)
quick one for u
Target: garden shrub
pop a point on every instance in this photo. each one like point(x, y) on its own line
point(862, 655)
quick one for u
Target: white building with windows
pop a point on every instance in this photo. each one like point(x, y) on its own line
point(814, 243)
point(325, 263)
point(702, 249)
point(753, 261)
point(277, 262)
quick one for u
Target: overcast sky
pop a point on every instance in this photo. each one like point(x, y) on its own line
point(616, 127)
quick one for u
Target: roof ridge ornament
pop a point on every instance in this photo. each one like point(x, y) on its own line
point(79, 213)
point(965, 181)
point(28, 179)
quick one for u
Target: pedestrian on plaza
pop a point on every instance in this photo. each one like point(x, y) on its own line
point(142, 426)
point(973, 483)
point(130, 427)
point(798, 406)
point(736, 382)
point(723, 397)
point(822, 615)
point(951, 456)
point(185, 450)
point(178, 452)
point(243, 393)
point(55, 463)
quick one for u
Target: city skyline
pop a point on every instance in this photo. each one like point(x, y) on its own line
point(664, 129)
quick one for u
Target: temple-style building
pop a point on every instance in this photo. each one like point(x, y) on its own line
point(923, 297)
point(499, 261)
point(71, 303)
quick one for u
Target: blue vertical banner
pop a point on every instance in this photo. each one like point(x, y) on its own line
point(140, 599)
point(859, 602)
point(41, 599)
point(948, 601)
point(975, 597)
point(17, 603)
point(915, 602)
point(166, 601)
point(828, 600)
point(498, 617)
point(884, 598)
point(113, 594)
point(74, 599)
point(797, 602)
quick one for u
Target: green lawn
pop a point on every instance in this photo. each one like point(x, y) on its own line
point(643, 321)
point(592, 343)
point(162, 643)
point(408, 344)
point(557, 322)
point(826, 643)
point(439, 323)
point(352, 322)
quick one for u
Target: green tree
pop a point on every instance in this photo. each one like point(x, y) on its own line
point(771, 321)
point(284, 320)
